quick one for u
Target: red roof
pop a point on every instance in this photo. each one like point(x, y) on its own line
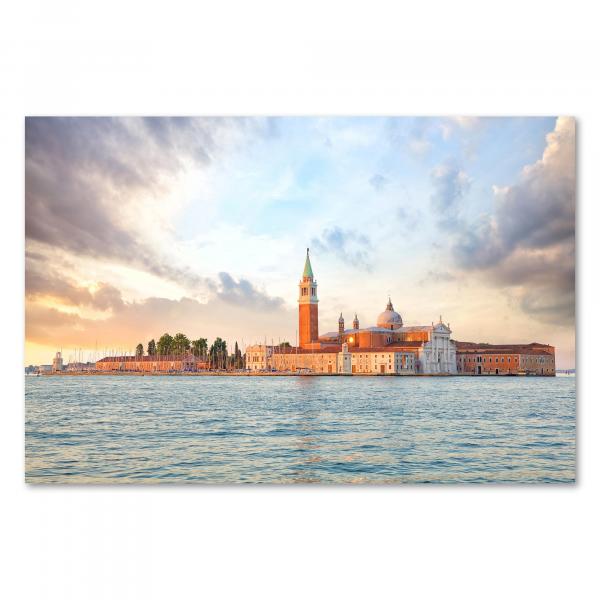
point(474, 348)
point(397, 347)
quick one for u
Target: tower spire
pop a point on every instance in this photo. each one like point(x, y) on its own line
point(308, 272)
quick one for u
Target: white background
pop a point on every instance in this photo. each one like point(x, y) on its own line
point(419, 58)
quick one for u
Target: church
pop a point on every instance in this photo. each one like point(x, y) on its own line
point(386, 348)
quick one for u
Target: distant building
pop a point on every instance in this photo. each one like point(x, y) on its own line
point(390, 347)
point(75, 367)
point(427, 348)
point(346, 360)
point(258, 357)
point(152, 364)
point(57, 362)
point(505, 359)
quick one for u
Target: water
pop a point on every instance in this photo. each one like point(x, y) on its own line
point(96, 429)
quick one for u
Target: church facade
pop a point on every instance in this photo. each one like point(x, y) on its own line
point(386, 348)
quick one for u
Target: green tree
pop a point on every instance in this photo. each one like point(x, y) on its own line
point(238, 361)
point(218, 354)
point(151, 348)
point(200, 347)
point(139, 350)
point(165, 344)
point(285, 345)
point(181, 343)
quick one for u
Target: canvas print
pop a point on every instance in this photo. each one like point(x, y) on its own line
point(317, 300)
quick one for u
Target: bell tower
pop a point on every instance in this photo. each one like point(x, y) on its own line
point(308, 307)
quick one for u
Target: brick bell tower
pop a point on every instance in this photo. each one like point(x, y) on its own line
point(308, 306)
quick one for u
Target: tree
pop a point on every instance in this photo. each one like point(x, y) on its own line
point(218, 353)
point(238, 361)
point(199, 347)
point(139, 350)
point(285, 345)
point(165, 344)
point(151, 348)
point(180, 343)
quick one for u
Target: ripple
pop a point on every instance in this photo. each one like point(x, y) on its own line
point(299, 430)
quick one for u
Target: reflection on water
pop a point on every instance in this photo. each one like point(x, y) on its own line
point(299, 429)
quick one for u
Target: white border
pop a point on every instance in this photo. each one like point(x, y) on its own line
point(309, 58)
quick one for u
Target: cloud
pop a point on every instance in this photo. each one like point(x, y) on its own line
point(46, 285)
point(529, 240)
point(438, 277)
point(349, 246)
point(467, 123)
point(378, 182)
point(244, 293)
point(88, 180)
point(132, 322)
point(450, 185)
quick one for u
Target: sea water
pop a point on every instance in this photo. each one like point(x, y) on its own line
point(178, 429)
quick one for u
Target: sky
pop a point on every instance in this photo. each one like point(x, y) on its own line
point(139, 226)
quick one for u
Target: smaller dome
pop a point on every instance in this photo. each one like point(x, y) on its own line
point(389, 318)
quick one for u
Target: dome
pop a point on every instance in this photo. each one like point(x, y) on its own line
point(389, 318)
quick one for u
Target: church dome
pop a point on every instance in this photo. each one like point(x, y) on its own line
point(389, 318)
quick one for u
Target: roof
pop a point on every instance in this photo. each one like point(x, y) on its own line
point(395, 347)
point(293, 350)
point(412, 329)
point(307, 267)
point(475, 348)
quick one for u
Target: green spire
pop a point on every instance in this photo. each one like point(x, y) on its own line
point(307, 268)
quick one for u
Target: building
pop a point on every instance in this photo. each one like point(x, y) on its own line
point(153, 364)
point(57, 362)
point(507, 359)
point(431, 347)
point(387, 348)
point(76, 367)
point(258, 357)
point(308, 307)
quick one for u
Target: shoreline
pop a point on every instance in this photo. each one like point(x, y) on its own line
point(269, 374)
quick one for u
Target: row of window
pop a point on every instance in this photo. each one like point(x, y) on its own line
point(484, 359)
point(540, 359)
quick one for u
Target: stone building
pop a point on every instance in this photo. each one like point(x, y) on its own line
point(505, 359)
point(57, 362)
point(258, 357)
point(341, 360)
point(152, 364)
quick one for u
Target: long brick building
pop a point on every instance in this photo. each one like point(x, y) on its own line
point(505, 359)
point(153, 364)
